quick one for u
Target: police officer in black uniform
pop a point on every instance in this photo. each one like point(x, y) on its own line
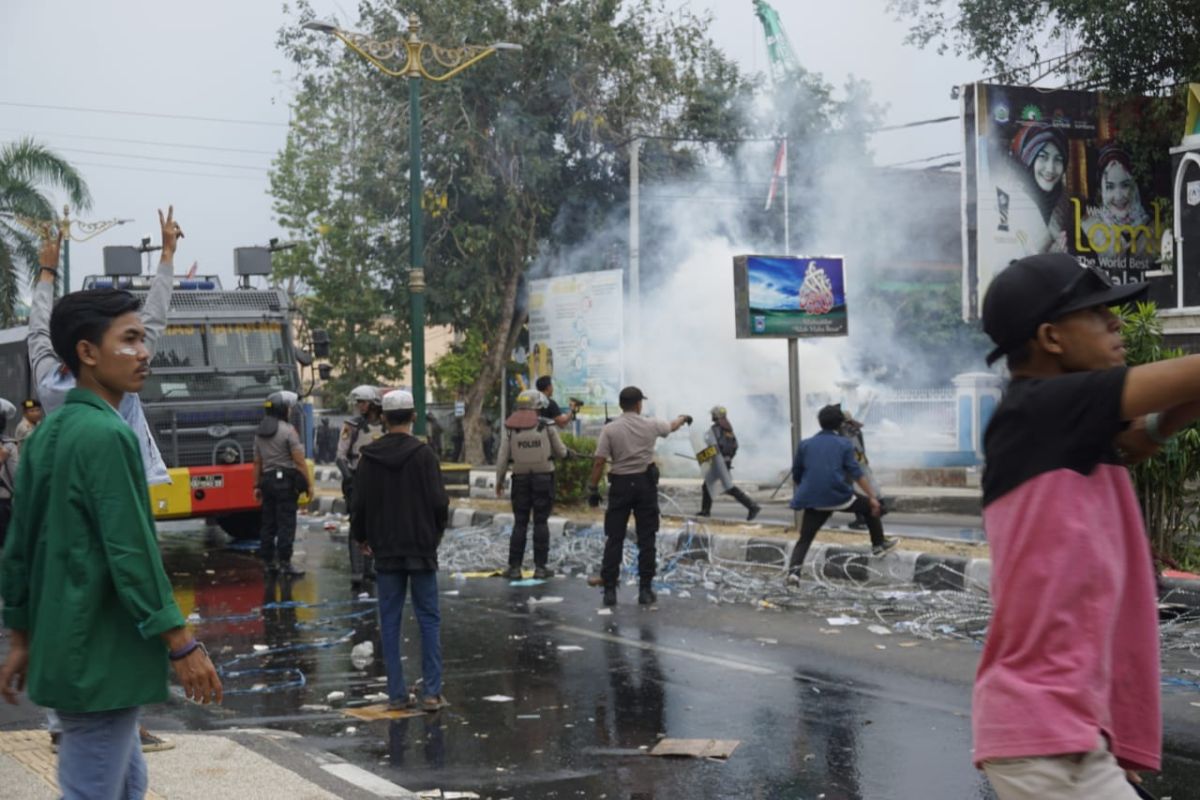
point(361, 429)
point(633, 488)
point(529, 446)
point(280, 475)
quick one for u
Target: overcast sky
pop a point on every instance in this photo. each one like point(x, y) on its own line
point(217, 60)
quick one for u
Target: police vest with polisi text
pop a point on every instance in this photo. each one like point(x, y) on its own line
point(530, 450)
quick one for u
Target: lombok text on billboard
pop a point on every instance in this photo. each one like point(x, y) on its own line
point(1058, 171)
point(575, 335)
point(789, 297)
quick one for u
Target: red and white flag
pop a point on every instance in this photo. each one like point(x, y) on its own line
point(779, 171)
point(191, 273)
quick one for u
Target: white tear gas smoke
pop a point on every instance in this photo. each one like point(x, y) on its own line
point(681, 350)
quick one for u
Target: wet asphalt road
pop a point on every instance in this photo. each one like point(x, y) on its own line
point(818, 711)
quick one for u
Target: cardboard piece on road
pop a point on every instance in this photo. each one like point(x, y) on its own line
point(696, 748)
point(381, 711)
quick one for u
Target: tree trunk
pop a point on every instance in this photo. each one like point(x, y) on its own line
point(474, 427)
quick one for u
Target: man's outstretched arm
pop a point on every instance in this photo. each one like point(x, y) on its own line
point(42, 359)
point(158, 299)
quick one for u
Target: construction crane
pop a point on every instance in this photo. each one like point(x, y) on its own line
point(781, 59)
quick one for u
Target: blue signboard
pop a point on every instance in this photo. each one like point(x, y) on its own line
point(790, 297)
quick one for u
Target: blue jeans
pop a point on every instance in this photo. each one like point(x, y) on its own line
point(100, 756)
point(392, 587)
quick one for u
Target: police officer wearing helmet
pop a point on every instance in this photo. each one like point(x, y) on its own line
point(280, 475)
point(361, 429)
point(8, 466)
point(727, 446)
point(530, 444)
point(628, 442)
point(32, 415)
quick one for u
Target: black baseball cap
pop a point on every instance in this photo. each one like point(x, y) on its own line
point(1043, 288)
point(630, 395)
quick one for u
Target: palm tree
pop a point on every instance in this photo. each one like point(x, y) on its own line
point(26, 169)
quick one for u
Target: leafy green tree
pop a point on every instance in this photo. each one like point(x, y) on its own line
point(1125, 47)
point(924, 319)
point(27, 169)
point(332, 195)
point(523, 153)
point(1165, 483)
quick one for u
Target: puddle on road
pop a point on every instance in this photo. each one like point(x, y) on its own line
point(583, 711)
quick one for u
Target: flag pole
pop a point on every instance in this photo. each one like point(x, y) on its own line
point(787, 232)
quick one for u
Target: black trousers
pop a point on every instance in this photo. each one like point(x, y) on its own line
point(533, 492)
point(706, 499)
point(361, 564)
point(280, 498)
point(636, 494)
point(814, 518)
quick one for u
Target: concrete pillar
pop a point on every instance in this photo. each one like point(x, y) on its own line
point(976, 395)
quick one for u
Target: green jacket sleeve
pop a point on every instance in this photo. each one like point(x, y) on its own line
point(121, 502)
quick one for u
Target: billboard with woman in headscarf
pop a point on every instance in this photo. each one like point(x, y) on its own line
point(1049, 171)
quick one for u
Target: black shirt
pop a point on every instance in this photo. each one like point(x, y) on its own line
point(1046, 424)
point(552, 411)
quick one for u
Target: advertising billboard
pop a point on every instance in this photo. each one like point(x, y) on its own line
point(1051, 171)
point(575, 335)
point(789, 297)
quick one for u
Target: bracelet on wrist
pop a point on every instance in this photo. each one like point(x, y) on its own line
point(187, 650)
point(1153, 431)
point(51, 270)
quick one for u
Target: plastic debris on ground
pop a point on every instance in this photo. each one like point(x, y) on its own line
point(498, 698)
point(362, 654)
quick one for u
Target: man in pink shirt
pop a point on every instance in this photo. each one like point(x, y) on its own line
point(1066, 701)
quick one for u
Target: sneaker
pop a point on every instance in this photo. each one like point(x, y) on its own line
point(434, 703)
point(542, 573)
point(610, 595)
point(857, 525)
point(754, 510)
point(154, 744)
point(290, 570)
point(646, 596)
point(703, 513)
point(793, 579)
point(888, 544)
point(513, 573)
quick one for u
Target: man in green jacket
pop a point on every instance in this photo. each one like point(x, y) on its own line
point(93, 622)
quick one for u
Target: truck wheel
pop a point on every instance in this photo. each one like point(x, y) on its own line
point(243, 525)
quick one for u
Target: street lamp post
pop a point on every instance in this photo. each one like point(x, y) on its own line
point(71, 229)
point(453, 60)
point(81, 232)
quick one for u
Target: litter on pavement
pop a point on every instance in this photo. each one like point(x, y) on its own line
point(696, 748)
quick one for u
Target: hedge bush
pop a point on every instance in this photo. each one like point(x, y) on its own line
point(571, 478)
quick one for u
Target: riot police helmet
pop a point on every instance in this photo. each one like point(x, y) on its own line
point(364, 394)
point(531, 399)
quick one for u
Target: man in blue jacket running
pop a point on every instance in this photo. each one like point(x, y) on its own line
point(823, 471)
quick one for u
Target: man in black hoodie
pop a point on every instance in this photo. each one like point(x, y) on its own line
point(399, 514)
